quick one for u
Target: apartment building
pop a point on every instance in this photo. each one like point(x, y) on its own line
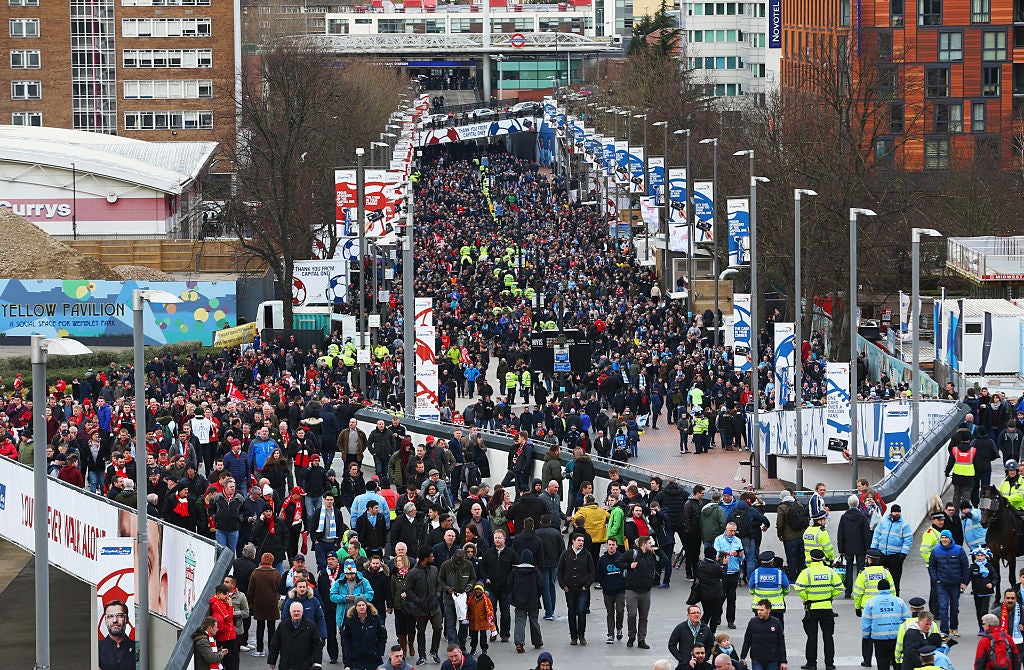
point(151, 69)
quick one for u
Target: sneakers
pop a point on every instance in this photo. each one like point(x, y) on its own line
point(421, 661)
point(732, 625)
point(664, 586)
point(618, 634)
point(436, 659)
point(809, 665)
point(244, 647)
point(629, 642)
point(573, 642)
point(610, 640)
point(520, 649)
point(549, 617)
point(257, 654)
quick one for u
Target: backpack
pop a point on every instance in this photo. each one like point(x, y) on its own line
point(999, 653)
point(741, 517)
point(797, 517)
point(471, 474)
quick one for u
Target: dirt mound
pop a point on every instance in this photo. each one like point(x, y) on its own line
point(141, 273)
point(26, 252)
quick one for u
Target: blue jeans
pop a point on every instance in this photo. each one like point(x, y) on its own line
point(757, 665)
point(229, 538)
point(749, 555)
point(794, 557)
point(577, 602)
point(949, 606)
point(548, 578)
point(93, 479)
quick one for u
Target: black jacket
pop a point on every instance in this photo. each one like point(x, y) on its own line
point(764, 641)
point(673, 500)
point(552, 547)
point(642, 578)
point(422, 590)
point(854, 535)
point(497, 568)
point(413, 533)
point(295, 648)
point(711, 575)
point(682, 641)
point(582, 471)
point(527, 506)
point(576, 571)
point(525, 586)
point(691, 515)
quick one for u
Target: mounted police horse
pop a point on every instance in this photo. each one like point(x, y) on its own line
point(1005, 534)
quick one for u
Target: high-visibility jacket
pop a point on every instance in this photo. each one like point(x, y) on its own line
point(526, 379)
point(898, 654)
point(700, 426)
point(511, 380)
point(529, 293)
point(866, 586)
point(817, 585)
point(1013, 491)
point(963, 461)
point(928, 542)
point(816, 537)
point(550, 325)
point(770, 583)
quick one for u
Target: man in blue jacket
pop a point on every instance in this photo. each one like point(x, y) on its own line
point(893, 537)
point(312, 609)
point(950, 573)
point(879, 624)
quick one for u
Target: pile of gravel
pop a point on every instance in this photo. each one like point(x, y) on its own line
point(141, 273)
point(26, 252)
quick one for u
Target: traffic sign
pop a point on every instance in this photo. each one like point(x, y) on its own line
point(518, 40)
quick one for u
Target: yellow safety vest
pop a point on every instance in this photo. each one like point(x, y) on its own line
point(866, 586)
point(963, 461)
point(527, 379)
point(511, 380)
point(817, 585)
point(816, 537)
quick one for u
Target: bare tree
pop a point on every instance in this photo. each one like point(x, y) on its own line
point(300, 117)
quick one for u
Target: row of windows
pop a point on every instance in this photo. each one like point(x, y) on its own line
point(26, 90)
point(23, 3)
point(708, 36)
point(166, 27)
point(171, 58)
point(168, 120)
point(24, 27)
point(724, 9)
point(929, 12)
point(164, 3)
point(186, 89)
point(993, 45)
point(25, 59)
point(723, 90)
point(716, 63)
point(937, 81)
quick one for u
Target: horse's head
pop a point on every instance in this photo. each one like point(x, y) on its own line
point(989, 504)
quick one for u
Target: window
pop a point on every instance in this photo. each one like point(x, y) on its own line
point(991, 80)
point(169, 58)
point(993, 45)
point(23, 3)
point(951, 46)
point(884, 46)
point(27, 119)
point(171, 120)
point(978, 117)
point(896, 9)
point(26, 90)
point(25, 59)
point(24, 27)
point(929, 12)
point(896, 118)
point(936, 154)
point(936, 82)
point(883, 151)
point(174, 89)
point(164, 3)
point(981, 11)
point(949, 118)
point(886, 81)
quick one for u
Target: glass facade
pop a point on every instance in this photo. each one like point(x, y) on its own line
point(533, 74)
point(94, 87)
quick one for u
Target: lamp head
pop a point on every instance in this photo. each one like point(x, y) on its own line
point(763, 180)
point(660, 123)
point(929, 232)
point(684, 131)
point(65, 346)
point(360, 151)
point(639, 116)
point(803, 191)
point(159, 297)
point(709, 140)
point(744, 152)
point(855, 211)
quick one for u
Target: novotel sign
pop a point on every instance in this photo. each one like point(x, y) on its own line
point(774, 24)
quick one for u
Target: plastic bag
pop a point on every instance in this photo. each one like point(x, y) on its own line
point(461, 609)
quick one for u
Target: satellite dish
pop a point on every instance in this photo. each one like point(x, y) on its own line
point(111, 197)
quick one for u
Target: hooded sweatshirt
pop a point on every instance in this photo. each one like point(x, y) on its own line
point(545, 656)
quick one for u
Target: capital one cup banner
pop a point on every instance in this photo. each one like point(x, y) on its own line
point(319, 282)
point(636, 167)
point(94, 309)
point(739, 231)
point(742, 355)
point(904, 312)
point(837, 411)
point(383, 198)
point(656, 178)
point(704, 211)
point(428, 406)
point(896, 439)
point(608, 158)
point(784, 361)
point(677, 197)
point(621, 162)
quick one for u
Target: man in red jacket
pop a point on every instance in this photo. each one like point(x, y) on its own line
point(71, 473)
point(222, 610)
point(995, 648)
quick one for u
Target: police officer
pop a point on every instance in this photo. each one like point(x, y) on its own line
point(1012, 487)
point(816, 537)
point(700, 432)
point(526, 384)
point(928, 658)
point(866, 586)
point(769, 582)
point(928, 542)
point(817, 585)
point(511, 383)
point(882, 616)
point(916, 607)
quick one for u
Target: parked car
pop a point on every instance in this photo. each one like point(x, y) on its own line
point(480, 113)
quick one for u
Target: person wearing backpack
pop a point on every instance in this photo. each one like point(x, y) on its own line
point(996, 650)
point(747, 519)
point(791, 520)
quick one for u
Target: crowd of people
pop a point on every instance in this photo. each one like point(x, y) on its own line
point(246, 449)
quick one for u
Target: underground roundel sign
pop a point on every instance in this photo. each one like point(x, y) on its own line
point(518, 40)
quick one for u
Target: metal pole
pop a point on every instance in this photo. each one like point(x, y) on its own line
point(714, 231)
point(755, 448)
point(853, 348)
point(74, 202)
point(915, 321)
point(629, 142)
point(647, 190)
point(40, 510)
point(141, 485)
point(361, 220)
point(666, 271)
point(756, 451)
point(409, 308)
point(798, 339)
point(689, 228)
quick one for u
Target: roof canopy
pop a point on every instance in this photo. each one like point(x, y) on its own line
point(163, 166)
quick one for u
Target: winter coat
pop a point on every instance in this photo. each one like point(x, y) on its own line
point(294, 648)
point(552, 547)
point(854, 534)
point(476, 605)
point(551, 471)
point(455, 578)
point(582, 471)
point(712, 521)
point(363, 640)
point(313, 610)
point(525, 586)
point(711, 575)
point(339, 595)
point(674, 499)
point(496, 569)
point(595, 521)
point(267, 543)
point(576, 571)
point(421, 591)
point(643, 577)
point(203, 652)
point(764, 641)
point(413, 533)
point(949, 567)
point(262, 593)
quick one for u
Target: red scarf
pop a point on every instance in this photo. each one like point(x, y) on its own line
point(333, 576)
point(216, 665)
point(181, 509)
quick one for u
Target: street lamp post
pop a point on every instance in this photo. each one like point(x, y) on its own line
point(689, 228)
point(854, 212)
point(41, 347)
point(361, 222)
point(664, 203)
point(915, 323)
point(714, 224)
point(501, 79)
point(646, 190)
point(755, 381)
point(139, 298)
point(797, 334)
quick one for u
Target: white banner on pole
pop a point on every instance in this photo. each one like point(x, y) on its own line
point(428, 407)
point(784, 363)
point(837, 412)
point(742, 354)
point(319, 282)
point(424, 309)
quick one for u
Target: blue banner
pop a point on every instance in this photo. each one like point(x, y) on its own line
point(656, 178)
point(739, 231)
point(774, 24)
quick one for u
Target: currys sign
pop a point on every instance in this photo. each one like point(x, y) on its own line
point(774, 24)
